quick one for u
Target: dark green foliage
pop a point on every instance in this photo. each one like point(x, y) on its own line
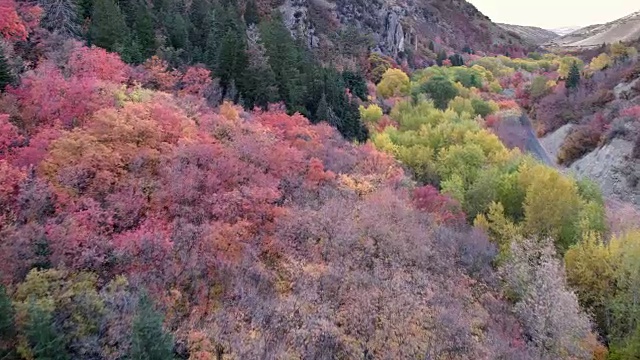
point(177, 30)
point(251, 15)
point(432, 46)
point(200, 13)
point(225, 52)
point(285, 59)
point(442, 56)
point(5, 72)
point(108, 27)
point(466, 49)
point(7, 325)
point(46, 342)
point(573, 79)
point(259, 81)
point(149, 340)
point(456, 60)
point(356, 83)
point(441, 90)
point(143, 31)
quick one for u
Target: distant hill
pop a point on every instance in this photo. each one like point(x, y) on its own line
point(531, 34)
point(562, 31)
point(623, 29)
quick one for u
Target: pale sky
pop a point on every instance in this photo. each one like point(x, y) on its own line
point(550, 14)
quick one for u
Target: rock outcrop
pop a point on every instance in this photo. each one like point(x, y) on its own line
point(611, 167)
point(395, 27)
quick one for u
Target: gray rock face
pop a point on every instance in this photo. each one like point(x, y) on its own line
point(393, 35)
point(552, 142)
point(295, 14)
point(609, 166)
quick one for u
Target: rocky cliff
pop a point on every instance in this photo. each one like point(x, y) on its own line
point(396, 27)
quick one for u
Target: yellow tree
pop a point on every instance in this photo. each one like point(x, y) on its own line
point(552, 204)
point(394, 83)
point(600, 62)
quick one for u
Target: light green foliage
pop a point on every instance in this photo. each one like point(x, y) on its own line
point(552, 205)
point(371, 113)
point(461, 105)
point(70, 295)
point(394, 83)
point(483, 108)
point(566, 63)
point(539, 87)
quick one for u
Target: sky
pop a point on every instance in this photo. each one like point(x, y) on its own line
point(551, 14)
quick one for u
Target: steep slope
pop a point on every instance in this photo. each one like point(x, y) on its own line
point(532, 34)
point(623, 29)
point(566, 30)
point(398, 26)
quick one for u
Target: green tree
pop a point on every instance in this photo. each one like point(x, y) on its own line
point(108, 27)
point(573, 79)
point(5, 72)
point(285, 59)
point(7, 325)
point(251, 14)
point(356, 83)
point(456, 60)
point(394, 83)
point(45, 341)
point(260, 80)
point(441, 90)
point(143, 30)
point(442, 56)
point(149, 340)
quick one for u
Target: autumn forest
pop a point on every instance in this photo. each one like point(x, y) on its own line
point(194, 180)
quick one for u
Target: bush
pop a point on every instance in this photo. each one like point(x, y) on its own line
point(581, 141)
point(441, 90)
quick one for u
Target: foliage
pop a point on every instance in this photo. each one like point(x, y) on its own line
point(6, 78)
point(394, 82)
point(149, 340)
point(536, 278)
point(441, 90)
point(573, 78)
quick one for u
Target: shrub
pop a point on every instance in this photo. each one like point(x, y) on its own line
point(581, 141)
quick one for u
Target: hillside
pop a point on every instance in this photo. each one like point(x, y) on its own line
point(561, 31)
point(531, 34)
point(624, 29)
point(194, 181)
point(398, 27)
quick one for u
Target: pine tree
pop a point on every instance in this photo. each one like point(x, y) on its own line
point(260, 82)
point(356, 83)
point(286, 60)
point(5, 72)
point(45, 341)
point(149, 340)
point(456, 60)
point(200, 13)
point(442, 56)
point(432, 46)
point(7, 326)
point(177, 30)
point(573, 79)
point(251, 15)
point(323, 112)
point(143, 30)
point(108, 27)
